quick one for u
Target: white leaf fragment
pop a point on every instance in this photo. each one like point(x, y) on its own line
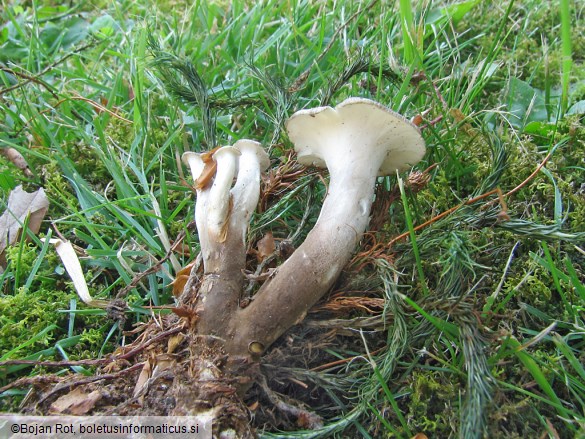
point(73, 267)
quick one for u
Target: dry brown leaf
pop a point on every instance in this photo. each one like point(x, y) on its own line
point(207, 174)
point(186, 270)
point(266, 246)
point(163, 362)
point(174, 342)
point(181, 279)
point(183, 311)
point(76, 402)
point(417, 120)
point(142, 378)
point(181, 249)
point(21, 204)
point(179, 284)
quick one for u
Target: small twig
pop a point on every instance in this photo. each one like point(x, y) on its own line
point(70, 12)
point(88, 362)
point(444, 214)
point(28, 381)
point(342, 361)
point(131, 353)
point(27, 78)
point(501, 199)
point(432, 123)
point(257, 276)
point(531, 176)
point(97, 107)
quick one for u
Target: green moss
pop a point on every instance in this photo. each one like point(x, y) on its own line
point(431, 407)
point(533, 290)
point(535, 37)
point(57, 189)
point(24, 315)
point(512, 419)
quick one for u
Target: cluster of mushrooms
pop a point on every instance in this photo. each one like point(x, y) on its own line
point(357, 141)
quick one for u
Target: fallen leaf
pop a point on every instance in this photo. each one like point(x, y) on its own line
point(142, 378)
point(76, 402)
point(162, 363)
point(174, 342)
point(179, 284)
point(184, 312)
point(73, 267)
point(21, 204)
point(417, 120)
point(181, 249)
point(309, 421)
point(266, 246)
point(186, 270)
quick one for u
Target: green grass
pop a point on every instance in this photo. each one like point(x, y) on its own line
point(481, 334)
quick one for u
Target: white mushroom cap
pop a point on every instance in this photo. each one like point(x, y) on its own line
point(195, 163)
point(321, 133)
point(253, 148)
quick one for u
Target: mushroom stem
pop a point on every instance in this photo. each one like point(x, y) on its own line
point(312, 269)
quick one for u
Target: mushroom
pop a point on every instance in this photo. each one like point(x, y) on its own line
point(357, 141)
point(246, 192)
point(197, 165)
point(222, 213)
point(218, 203)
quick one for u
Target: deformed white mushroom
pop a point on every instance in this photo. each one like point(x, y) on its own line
point(218, 203)
point(223, 212)
point(246, 191)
